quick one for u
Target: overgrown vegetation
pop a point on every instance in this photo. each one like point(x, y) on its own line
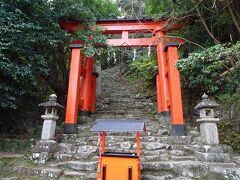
point(34, 54)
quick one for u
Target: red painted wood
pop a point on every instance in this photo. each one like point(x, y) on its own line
point(174, 87)
point(73, 87)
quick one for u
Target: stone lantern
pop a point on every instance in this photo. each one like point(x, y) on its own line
point(46, 147)
point(208, 126)
point(50, 117)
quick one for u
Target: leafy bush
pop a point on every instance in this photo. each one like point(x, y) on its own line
point(143, 69)
point(213, 70)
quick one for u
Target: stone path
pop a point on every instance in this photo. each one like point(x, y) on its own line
point(163, 156)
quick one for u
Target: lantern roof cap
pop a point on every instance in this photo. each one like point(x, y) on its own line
point(52, 102)
point(206, 103)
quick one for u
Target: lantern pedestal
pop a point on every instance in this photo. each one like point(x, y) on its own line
point(43, 151)
point(209, 130)
point(49, 126)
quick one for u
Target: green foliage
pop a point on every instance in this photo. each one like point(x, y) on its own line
point(212, 15)
point(34, 48)
point(168, 8)
point(143, 69)
point(212, 68)
point(228, 135)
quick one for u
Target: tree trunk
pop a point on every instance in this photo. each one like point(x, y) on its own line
point(204, 23)
point(233, 16)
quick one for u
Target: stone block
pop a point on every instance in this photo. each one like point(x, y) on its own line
point(215, 149)
point(73, 174)
point(63, 157)
point(41, 158)
point(212, 157)
point(156, 145)
point(125, 145)
point(86, 151)
point(157, 166)
point(177, 152)
point(49, 146)
point(222, 173)
point(163, 132)
point(52, 173)
point(48, 130)
point(69, 138)
point(192, 169)
point(79, 165)
point(152, 177)
point(67, 148)
point(209, 133)
point(181, 139)
point(236, 159)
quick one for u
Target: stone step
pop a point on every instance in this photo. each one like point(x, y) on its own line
point(78, 175)
point(153, 177)
point(194, 169)
point(125, 107)
point(176, 141)
point(46, 172)
point(60, 157)
point(119, 112)
point(89, 166)
point(124, 100)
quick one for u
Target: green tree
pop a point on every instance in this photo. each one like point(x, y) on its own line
point(33, 47)
point(34, 53)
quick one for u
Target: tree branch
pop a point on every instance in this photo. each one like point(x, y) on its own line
point(233, 17)
point(204, 24)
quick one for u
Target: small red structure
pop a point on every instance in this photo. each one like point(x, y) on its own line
point(81, 90)
point(119, 165)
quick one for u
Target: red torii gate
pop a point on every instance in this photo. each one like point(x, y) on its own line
point(82, 79)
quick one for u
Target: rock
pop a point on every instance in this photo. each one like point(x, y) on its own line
point(63, 157)
point(236, 159)
point(156, 145)
point(86, 151)
point(177, 152)
point(79, 165)
point(46, 172)
point(73, 174)
point(183, 158)
point(194, 134)
point(125, 145)
point(152, 177)
point(163, 132)
point(66, 148)
point(92, 176)
point(192, 169)
point(49, 146)
point(221, 173)
point(181, 139)
point(182, 178)
point(41, 158)
point(69, 138)
point(151, 166)
point(212, 157)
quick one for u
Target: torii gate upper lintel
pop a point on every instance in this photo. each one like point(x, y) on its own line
point(82, 80)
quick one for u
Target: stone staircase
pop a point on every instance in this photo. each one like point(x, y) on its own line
point(162, 156)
